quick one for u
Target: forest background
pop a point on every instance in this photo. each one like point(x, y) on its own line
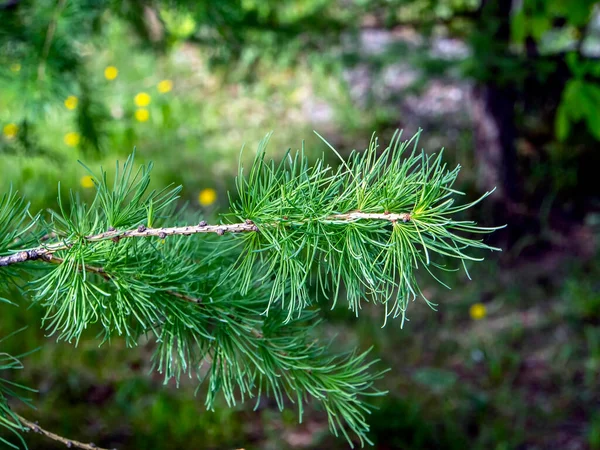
point(510, 90)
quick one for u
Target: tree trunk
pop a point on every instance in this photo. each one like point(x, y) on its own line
point(495, 134)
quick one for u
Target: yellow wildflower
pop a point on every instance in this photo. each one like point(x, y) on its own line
point(164, 86)
point(142, 115)
point(72, 139)
point(207, 196)
point(71, 102)
point(111, 72)
point(16, 67)
point(477, 311)
point(87, 182)
point(10, 130)
point(142, 99)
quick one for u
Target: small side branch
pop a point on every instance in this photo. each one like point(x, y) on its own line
point(28, 255)
point(68, 442)
point(104, 274)
point(45, 252)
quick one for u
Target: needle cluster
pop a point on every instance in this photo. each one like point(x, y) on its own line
point(358, 231)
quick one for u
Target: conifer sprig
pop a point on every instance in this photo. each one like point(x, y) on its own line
point(366, 226)
point(125, 265)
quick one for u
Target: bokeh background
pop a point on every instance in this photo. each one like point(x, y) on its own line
point(510, 89)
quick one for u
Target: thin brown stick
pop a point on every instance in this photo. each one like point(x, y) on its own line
point(45, 252)
point(187, 298)
point(68, 442)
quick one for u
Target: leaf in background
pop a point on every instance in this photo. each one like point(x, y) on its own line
point(588, 100)
point(562, 126)
point(593, 124)
point(539, 26)
point(573, 63)
point(572, 98)
point(579, 12)
point(518, 27)
point(594, 69)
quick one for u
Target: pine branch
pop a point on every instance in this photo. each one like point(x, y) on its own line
point(368, 225)
point(372, 259)
point(237, 299)
point(46, 251)
point(68, 442)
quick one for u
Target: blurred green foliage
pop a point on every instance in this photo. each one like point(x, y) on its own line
point(580, 98)
point(199, 118)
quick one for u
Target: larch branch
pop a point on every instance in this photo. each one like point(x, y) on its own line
point(46, 251)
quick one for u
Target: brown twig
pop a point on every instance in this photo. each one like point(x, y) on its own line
point(45, 252)
point(68, 442)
